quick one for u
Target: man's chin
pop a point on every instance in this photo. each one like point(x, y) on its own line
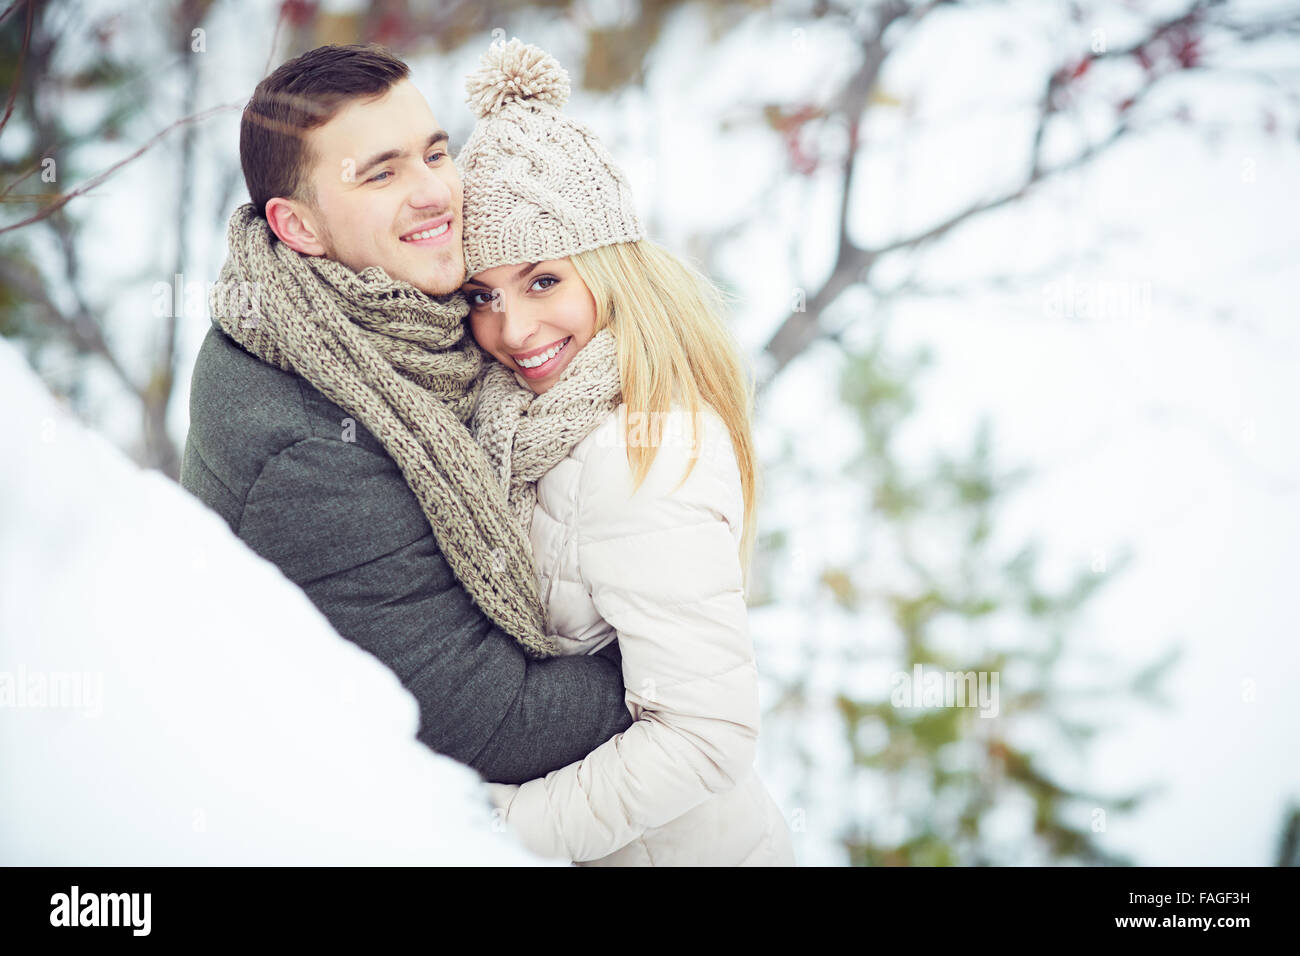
point(441, 281)
point(437, 275)
point(439, 286)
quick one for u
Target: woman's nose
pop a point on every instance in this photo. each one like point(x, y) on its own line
point(517, 324)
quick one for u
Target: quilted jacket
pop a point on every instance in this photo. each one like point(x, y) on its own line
point(659, 572)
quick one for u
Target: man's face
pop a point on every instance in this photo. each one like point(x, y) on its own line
point(386, 191)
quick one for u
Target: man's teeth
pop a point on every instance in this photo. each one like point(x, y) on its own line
point(428, 233)
point(545, 357)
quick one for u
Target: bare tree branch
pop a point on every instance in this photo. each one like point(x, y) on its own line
point(275, 39)
point(9, 9)
point(853, 263)
point(18, 71)
point(79, 329)
point(96, 180)
point(71, 316)
point(10, 188)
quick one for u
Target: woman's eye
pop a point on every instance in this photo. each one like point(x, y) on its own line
point(477, 299)
point(549, 280)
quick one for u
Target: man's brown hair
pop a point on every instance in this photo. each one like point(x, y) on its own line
point(302, 94)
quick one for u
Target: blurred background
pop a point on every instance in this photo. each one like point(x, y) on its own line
point(1018, 282)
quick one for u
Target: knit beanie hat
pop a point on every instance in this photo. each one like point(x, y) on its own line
point(537, 184)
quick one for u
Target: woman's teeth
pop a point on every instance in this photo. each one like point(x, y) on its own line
point(545, 357)
point(428, 233)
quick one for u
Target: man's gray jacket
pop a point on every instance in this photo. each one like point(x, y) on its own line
point(325, 502)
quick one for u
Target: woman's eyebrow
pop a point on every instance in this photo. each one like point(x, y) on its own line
point(528, 267)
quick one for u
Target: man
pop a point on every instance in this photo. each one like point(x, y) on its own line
point(328, 419)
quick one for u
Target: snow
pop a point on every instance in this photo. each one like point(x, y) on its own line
point(169, 697)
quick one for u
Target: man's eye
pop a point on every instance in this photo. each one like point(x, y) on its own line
point(549, 280)
point(435, 156)
point(375, 178)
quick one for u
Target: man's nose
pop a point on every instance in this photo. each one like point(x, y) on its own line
point(431, 191)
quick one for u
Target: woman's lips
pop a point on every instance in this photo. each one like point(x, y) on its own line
point(546, 367)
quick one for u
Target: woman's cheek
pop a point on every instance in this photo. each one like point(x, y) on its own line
point(580, 314)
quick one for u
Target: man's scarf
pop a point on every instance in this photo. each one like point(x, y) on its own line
point(403, 364)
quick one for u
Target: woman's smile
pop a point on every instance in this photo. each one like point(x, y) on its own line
point(543, 362)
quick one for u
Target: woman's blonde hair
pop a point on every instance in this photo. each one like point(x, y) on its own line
point(673, 345)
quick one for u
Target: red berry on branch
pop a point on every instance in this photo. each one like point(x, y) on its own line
point(389, 29)
point(298, 12)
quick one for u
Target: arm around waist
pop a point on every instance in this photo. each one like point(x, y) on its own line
point(340, 521)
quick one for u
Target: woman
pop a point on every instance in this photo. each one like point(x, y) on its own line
point(618, 417)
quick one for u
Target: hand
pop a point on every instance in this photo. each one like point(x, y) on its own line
point(501, 795)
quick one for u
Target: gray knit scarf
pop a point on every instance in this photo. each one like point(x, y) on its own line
point(401, 363)
point(526, 435)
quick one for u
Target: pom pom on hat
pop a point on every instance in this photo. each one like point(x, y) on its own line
point(514, 72)
point(537, 184)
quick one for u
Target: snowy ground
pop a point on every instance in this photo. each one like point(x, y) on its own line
point(150, 715)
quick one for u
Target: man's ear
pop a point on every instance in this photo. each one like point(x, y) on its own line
point(295, 226)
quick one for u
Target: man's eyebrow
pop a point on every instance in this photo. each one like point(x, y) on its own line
point(438, 136)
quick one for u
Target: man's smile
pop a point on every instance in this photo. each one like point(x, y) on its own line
point(432, 232)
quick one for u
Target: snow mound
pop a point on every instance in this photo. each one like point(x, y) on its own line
point(169, 697)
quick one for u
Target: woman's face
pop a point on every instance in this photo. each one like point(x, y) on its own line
point(522, 313)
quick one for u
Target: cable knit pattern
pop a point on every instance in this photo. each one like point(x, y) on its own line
point(403, 364)
point(538, 185)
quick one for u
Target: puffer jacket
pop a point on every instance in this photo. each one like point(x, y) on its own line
point(658, 571)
